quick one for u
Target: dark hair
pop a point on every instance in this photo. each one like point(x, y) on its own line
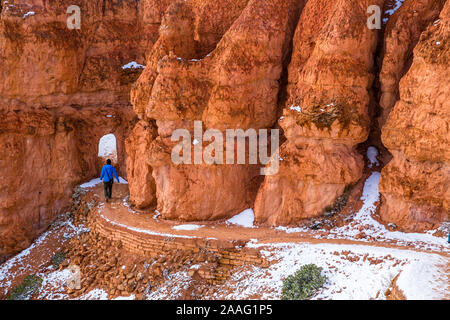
point(108, 161)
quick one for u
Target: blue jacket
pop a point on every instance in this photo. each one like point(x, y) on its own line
point(108, 173)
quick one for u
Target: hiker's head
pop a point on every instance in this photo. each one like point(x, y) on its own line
point(108, 161)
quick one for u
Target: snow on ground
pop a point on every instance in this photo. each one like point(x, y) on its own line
point(353, 271)
point(292, 229)
point(19, 264)
point(422, 282)
point(125, 204)
point(53, 285)
point(139, 229)
point(188, 227)
point(95, 294)
point(100, 294)
point(107, 147)
point(371, 227)
point(133, 65)
point(122, 180)
point(244, 219)
point(372, 154)
point(16, 263)
point(375, 229)
point(173, 288)
point(92, 183)
point(296, 108)
point(30, 13)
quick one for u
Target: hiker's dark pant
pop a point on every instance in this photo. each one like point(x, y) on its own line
point(107, 186)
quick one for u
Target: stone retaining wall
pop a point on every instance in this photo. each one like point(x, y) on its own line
point(229, 253)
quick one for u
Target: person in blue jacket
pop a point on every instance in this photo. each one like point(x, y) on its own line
point(107, 176)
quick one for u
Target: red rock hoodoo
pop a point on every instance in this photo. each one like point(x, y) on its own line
point(415, 185)
point(326, 112)
point(228, 80)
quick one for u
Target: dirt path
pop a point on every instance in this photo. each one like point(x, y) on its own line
point(118, 211)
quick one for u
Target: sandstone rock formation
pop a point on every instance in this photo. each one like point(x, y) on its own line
point(415, 185)
point(60, 91)
point(400, 37)
point(326, 113)
point(233, 86)
point(231, 64)
point(229, 79)
point(139, 172)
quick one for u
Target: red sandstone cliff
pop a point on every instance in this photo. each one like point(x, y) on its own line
point(57, 87)
point(416, 184)
point(235, 85)
point(230, 64)
point(326, 112)
point(328, 102)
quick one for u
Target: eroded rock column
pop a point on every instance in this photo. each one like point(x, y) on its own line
point(326, 113)
point(235, 86)
point(415, 185)
point(61, 90)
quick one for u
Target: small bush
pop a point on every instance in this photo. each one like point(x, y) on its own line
point(57, 259)
point(29, 286)
point(303, 284)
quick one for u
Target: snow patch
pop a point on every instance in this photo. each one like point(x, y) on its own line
point(188, 227)
point(353, 271)
point(372, 154)
point(423, 281)
point(95, 294)
point(244, 219)
point(133, 65)
point(292, 229)
point(92, 183)
point(53, 285)
point(296, 108)
point(122, 180)
point(172, 288)
point(376, 230)
point(28, 14)
point(144, 230)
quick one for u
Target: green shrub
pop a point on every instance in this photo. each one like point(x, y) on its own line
point(29, 286)
point(57, 259)
point(303, 284)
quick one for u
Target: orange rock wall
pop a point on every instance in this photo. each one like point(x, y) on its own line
point(317, 65)
point(415, 185)
point(326, 113)
point(60, 91)
point(309, 67)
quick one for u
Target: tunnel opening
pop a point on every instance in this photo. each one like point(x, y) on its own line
point(107, 148)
